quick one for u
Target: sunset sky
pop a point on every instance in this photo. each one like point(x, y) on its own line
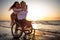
point(37, 9)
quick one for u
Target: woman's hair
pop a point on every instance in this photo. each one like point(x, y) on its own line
point(13, 5)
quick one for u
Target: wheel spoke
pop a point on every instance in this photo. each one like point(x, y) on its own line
point(16, 31)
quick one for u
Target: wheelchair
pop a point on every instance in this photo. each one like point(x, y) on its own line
point(22, 32)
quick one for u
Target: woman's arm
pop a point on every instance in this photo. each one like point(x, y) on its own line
point(17, 9)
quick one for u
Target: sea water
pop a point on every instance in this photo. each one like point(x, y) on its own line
point(44, 27)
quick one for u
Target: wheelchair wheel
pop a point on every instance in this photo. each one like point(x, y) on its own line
point(16, 31)
point(29, 34)
point(28, 28)
point(28, 31)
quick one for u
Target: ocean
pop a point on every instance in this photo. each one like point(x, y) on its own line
point(47, 30)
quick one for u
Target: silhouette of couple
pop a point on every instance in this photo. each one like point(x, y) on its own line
point(19, 11)
point(19, 14)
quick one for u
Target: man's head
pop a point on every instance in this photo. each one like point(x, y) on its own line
point(23, 3)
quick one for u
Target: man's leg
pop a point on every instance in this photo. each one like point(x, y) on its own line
point(28, 23)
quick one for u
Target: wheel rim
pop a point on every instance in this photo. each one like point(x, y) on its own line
point(16, 32)
point(28, 31)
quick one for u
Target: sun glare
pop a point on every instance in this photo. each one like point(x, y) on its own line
point(34, 26)
point(40, 11)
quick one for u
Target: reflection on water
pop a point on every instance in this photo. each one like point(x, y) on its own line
point(45, 32)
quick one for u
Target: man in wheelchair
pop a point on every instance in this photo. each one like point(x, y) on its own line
point(19, 14)
point(18, 17)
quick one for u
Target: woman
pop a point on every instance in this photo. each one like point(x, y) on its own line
point(16, 9)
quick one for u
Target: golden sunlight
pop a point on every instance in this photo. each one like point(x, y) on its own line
point(34, 26)
point(42, 13)
point(36, 11)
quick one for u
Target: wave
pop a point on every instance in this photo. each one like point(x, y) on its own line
point(48, 22)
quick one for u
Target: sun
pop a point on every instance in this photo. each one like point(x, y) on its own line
point(37, 13)
point(40, 12)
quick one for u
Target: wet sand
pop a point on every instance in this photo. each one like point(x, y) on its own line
point(5, 34)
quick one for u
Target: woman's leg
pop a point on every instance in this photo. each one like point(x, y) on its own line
point(12, 16)
point(12, 19)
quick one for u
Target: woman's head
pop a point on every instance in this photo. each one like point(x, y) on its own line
point(16, 4)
